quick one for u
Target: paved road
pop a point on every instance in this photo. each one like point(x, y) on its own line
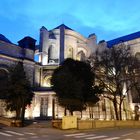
point(26, 133)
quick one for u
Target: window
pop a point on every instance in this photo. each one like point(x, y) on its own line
point(52, 54)
point(81, 56)
point(70, 52)
point(44, 107)
point(47, 81)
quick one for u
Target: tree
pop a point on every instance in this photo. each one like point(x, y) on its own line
point(19, 93)
point(3, 82)
point(114, 67)
point(134, 76)
point(73, 83)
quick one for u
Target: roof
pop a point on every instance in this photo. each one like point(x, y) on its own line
point(123, 39)
point(51, 35)
point(11, 50)
point(64, 26)
point(27, 38)
point(3, 38)
point(93, 34)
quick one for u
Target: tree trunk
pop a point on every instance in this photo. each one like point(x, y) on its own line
point(71, 112)
point(18, 112)
point(105, 109)
point(120, 110)
point(53, 109)
point(89, 113)
point(23, 114)
point(116, 109)
point(81, 114)
point(65, 111)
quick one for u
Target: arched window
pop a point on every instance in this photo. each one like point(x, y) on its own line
point(70, 53)
point(52, 54)
point(47, 81)
point(81, 56)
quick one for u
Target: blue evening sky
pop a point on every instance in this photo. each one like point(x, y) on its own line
point(108, 19)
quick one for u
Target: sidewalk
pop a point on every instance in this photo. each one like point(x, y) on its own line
point(39, 124)
point(46, 126)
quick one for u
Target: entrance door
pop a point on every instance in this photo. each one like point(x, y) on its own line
point(44, 107)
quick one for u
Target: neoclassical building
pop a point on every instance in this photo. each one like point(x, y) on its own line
point(54, 47)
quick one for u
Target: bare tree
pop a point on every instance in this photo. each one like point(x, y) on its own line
point(113, 68)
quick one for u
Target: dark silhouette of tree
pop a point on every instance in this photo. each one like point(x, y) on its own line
point(3, 82)
point(19, 93)
point(73, 84)
point(134, 76)
point(115, 67)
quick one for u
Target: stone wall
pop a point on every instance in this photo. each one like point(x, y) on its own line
point(94, 124)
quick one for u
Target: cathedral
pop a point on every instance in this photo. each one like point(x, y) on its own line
point(41, 59)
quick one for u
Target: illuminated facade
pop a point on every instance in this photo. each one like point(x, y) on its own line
point(10, 55)
point(54, 47)
point(133, 41)
point(62, 42)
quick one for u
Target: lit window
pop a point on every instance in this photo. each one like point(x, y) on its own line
point(47, 81)
point(70, 52)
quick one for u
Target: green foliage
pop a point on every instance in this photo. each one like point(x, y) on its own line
point(19, 93)
point(73, 82)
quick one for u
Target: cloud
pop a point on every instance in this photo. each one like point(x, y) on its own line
point(108, 19)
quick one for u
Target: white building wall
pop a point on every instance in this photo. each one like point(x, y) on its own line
point(72, 39)
point(70, 42)
point(56, 44)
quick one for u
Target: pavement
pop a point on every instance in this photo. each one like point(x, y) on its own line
point(42, 129)
point(46, 125)
point(38, 124)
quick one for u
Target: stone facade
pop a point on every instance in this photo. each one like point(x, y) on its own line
point(11, 54)
point(54, 47)
point(133, 41)
point(62, 42)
